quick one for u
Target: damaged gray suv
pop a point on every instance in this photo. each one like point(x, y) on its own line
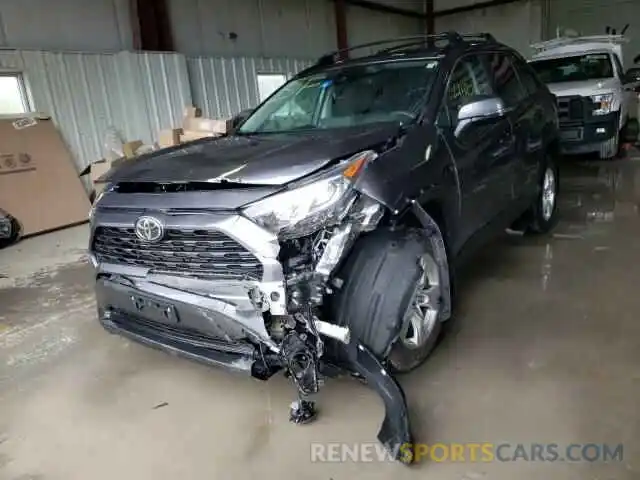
point(320, 237)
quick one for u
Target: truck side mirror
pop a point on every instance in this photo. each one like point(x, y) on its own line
point(632, 76)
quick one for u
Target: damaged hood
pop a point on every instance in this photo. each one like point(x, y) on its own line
point(266, 159)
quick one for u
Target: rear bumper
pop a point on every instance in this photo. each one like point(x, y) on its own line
point(587, 136)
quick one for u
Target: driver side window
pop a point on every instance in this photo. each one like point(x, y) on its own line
point(468, 79)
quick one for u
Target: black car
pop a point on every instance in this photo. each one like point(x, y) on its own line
point(321, 236)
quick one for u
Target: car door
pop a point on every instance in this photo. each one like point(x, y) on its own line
point(628, 109)
point(508, 87)
point(482, 152)
point(530, 129)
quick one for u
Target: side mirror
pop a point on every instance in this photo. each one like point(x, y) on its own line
point(479, 109)
point(632, 76)
point(238, 119)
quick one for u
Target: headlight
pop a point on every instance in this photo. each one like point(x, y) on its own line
point(324, 201)
point(603, 103)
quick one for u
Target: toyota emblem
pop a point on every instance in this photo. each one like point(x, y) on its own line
point(149, 229)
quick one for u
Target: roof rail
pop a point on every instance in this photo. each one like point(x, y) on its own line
point(566, 41)
point(452, 38)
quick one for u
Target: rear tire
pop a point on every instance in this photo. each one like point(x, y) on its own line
point(543, 214)
point(391, 281)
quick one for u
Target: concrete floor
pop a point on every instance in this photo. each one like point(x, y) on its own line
point(544, 348)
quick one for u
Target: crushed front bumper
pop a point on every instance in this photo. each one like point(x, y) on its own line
point(174, 326)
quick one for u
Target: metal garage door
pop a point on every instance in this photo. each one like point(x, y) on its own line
point(516, 24)
point(591, 17)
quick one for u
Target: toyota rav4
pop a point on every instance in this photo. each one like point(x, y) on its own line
point(321, 236)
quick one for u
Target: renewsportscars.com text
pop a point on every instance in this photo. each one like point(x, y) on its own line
point(469, 452)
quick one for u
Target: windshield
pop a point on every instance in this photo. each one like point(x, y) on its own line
point(357, 95)
point(574, 69)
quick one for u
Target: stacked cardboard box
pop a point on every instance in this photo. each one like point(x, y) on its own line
point(194, 127)
point(39, 185)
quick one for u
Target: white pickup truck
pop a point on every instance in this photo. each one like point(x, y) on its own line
point(597, 104)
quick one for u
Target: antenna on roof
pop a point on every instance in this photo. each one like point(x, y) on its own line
point(624, 30)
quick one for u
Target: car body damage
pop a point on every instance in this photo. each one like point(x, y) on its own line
point(317, 239)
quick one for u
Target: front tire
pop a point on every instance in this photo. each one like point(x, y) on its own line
point(391, 297)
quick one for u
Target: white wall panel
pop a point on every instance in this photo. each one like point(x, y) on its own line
point(223, 87)
point(591, 17)
point(88, 93)
point(87, 25)
point(257, 28)
point(515, 24)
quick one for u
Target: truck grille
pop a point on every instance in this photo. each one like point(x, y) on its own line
point(203, 254)
point(573, 108)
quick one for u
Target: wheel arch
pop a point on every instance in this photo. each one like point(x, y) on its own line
point(431, 218)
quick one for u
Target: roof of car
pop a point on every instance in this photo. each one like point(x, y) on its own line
point(414, 47)
point(570, 53)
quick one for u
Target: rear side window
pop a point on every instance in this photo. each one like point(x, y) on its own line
point(527, 76)
point(505, 80)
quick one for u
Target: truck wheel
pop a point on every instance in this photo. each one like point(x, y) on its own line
point(391, 297)
point(543, 214)
point(610, 149)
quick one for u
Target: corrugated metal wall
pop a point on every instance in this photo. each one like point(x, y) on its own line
point(136, 93)
point(87, 93)
point(223, 87)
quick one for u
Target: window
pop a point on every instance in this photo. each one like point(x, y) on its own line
point(468, 79)
point(527, 76)
point(13, 98)
point(269, 83)
point(576, 68)
point(392, 91)
point(505, 81)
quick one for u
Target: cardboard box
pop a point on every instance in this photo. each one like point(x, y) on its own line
point(98, 171)
point(130, 148)
point(169, 137)
point(39, 184)
point(207, 125)
point(190, 135)
point(192, 112)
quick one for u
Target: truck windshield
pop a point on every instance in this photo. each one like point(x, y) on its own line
point(575, 68)
point(361, 94)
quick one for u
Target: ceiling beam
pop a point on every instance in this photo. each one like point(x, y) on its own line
point(475, 6)
point(379, 7)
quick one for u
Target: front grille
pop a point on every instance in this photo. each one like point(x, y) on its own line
point(573, 108)
point(204, 254)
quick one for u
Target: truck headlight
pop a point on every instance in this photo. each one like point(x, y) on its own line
point(324, 200)
point(603, 103)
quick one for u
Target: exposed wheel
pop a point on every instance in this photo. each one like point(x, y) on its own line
point(391, 297)
point(543, 214)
